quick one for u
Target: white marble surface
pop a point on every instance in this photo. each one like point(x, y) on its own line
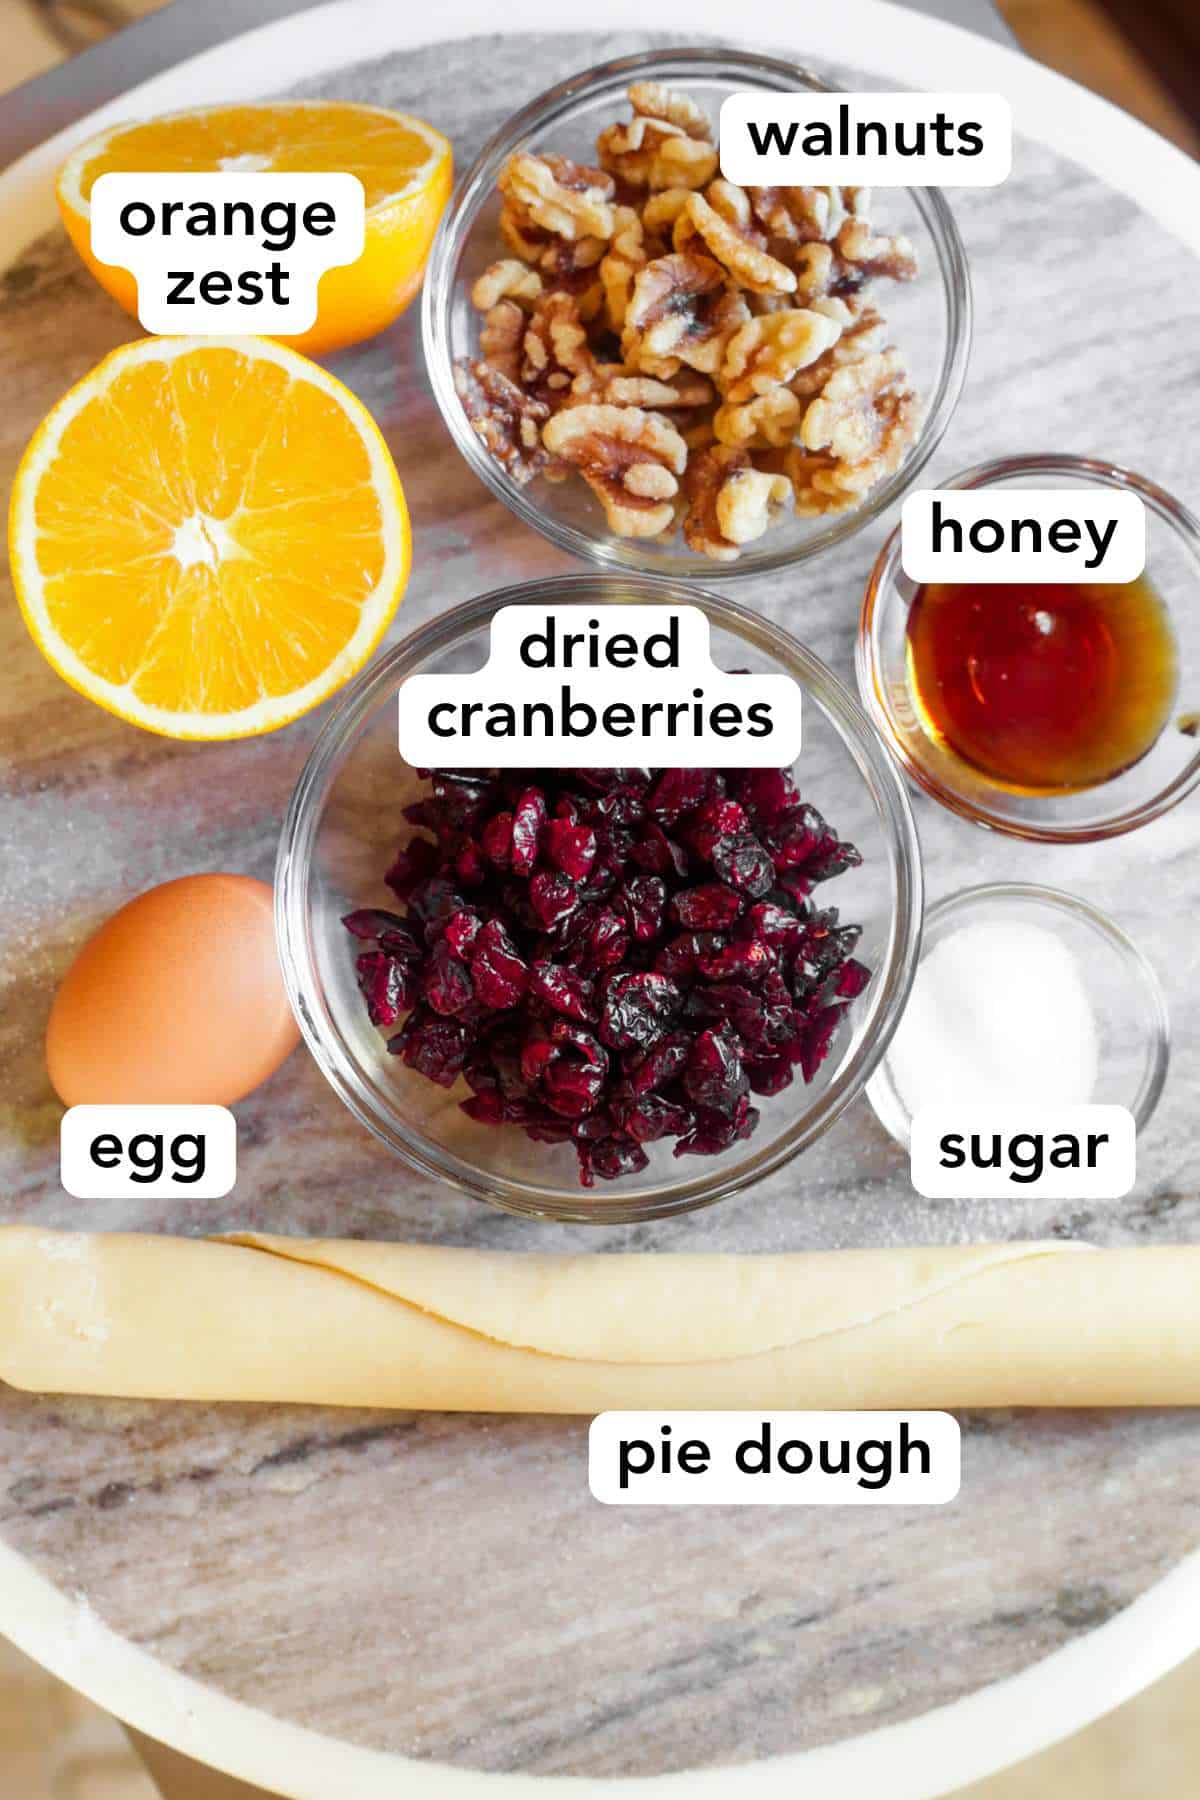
point(445, 1587)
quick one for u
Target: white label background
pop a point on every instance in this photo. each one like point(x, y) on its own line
point(723, 1484)
point(152, 257)
point(1124, 559)
point(1111, 1179)
point(507, 679)
point(741, 162)
point(87, 1180)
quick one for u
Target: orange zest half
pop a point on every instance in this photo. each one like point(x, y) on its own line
point(405, 167)
point(208, 535)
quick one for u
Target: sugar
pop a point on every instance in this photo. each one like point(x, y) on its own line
point(999, 1015)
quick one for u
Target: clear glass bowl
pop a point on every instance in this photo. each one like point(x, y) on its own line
point(930, 317)
point(1168, 771)
point(340, 835)
point(1125, 993)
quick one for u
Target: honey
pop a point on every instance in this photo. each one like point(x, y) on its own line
point(1047, 688)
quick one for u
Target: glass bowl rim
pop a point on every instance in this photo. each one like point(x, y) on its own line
point(897, 1121)
point(881, 588)
point(376, 685)
point(621, 555)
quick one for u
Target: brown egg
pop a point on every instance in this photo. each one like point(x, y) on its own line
point(179, 997)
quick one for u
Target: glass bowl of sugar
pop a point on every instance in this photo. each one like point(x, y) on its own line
point(1024, 996)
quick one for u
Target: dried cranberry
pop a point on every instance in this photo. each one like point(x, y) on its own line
point(680, 956)
point(739, 961)
point(769, 1074)
point(679, 791)
point(563, 990)
point(499, 974)
point(654, 851)
point(447, 984)
point(462, 928)
point(738, 1006)
point(469, 866)
point(817, 1038)
point(637, 1009)
point(806, 844)
point(712, 1132)
point(412, 866)
point(388, 986)
point(529, 815)
point(496, 841)
point(612, 957)
point(571, 848)
point(767, 794)
point(614, 1157)
point(853, 979)
point(552, 897)
point(607, 941)
point(658, 1067)
point(433, 904)
point(714, 1075)
point(642, 903)
point(769, 923)
point(435, 1048)
point(709, 907)
point(371, 922)
point(744, 864)
point(717, 821)
point(458, 800)
point(651, 1117)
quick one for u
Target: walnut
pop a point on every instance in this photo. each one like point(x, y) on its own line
point(500, 338)
point(625, 256)
point(767, 352)
point(729, 501)
point(630, 459)
point(613, 384)
point(654, 100)
point(769, 421)
point(699, 437)
point(865, 417)
point(683, 309)
point(748, 502)
point(751, 363)
point(667, 144)
point(509, 279)
point(507, 421)
point(762, 304)
point(847, 415)
point(861, 331)
point(733, 204)
point(815, 268)
point(871, 256)
point(736, 249)
point(568, 199)
point(555, 348)
point(799, 215)
point(805, 469)
point(649, 153)
point(661, 210)
point(525, 239)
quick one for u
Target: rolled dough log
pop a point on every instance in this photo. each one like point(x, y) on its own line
point(415, 1326)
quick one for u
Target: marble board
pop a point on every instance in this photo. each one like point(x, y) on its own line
point(444, 1587)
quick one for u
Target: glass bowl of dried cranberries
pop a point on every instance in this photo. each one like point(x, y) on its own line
point(661, 371)
point(598, 994)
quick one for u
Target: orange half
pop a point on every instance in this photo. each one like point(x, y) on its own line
point(208, 535)
point(405, 166)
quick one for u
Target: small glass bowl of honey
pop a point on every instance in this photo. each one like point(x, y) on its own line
point(1062, 712)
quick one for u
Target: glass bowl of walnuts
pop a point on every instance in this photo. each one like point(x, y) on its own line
point(661, 371)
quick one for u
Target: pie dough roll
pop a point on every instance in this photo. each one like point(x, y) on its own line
point(414, 1326)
